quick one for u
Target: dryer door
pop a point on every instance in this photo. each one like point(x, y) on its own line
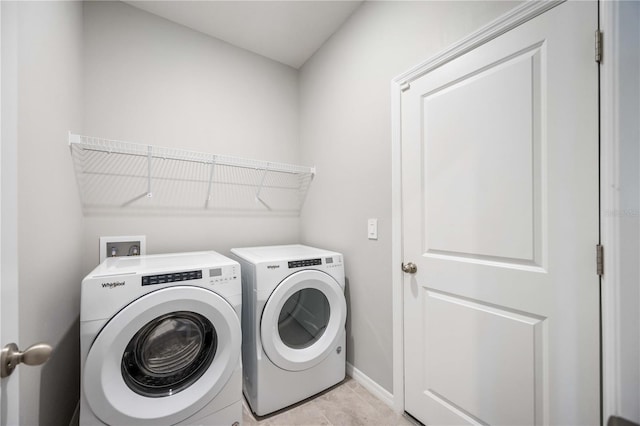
point(303, 320)
point(163, 357)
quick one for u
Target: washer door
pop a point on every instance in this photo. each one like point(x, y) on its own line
point(303, 320)
point(163, 357)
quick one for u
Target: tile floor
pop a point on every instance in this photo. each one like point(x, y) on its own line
point(348, 403)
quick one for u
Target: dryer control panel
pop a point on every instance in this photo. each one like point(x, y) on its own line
point(333, 262)
point(306, 262)
point(328, 261)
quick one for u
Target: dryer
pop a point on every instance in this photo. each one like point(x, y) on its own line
point(160, 341)
point(293, 323)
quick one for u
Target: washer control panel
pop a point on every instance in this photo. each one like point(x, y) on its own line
point(170, 278)
point(222, 274)
point(217, 275)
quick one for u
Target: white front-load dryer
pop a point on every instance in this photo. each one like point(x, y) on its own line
point(160, 341)
point(293, 323)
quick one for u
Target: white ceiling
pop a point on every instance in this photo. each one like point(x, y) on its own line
point(286, 31)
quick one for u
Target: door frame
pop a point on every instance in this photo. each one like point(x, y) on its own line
point(499, 26)
point(612, 280)
point(9, 331)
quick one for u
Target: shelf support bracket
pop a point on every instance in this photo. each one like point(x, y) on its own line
point(258, 199)
point(213, 167)
point(149, 151)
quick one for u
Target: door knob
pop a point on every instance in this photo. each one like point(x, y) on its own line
point(12, 356)
point(410, 268)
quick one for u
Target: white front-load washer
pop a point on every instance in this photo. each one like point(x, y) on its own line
point(293, 323)
point(160, 341)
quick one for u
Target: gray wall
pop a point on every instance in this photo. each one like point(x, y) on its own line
point(149, 80)
point(49, 216)
point(345, 109)
point(629, 309)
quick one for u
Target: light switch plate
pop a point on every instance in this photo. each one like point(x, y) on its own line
point(372, 229)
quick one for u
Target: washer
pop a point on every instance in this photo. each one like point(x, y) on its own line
point(160, 341)
point(293, 323)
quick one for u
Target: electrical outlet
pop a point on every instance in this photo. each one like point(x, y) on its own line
point(135, 245)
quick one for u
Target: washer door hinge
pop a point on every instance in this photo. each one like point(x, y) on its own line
point(599, 260)
point(598, 46)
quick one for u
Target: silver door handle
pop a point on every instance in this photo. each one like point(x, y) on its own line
point(410, 268)
point(12, 357)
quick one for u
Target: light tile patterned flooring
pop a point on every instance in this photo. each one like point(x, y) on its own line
point(347, 404)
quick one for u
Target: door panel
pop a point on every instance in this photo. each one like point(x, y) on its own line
point(500, 215)
point(463, 161)
point(456, 363)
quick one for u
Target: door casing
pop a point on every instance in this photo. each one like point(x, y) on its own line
point(613, 66)
point(10, 386)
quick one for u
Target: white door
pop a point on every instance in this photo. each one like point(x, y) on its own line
point(500, 216)
point(9, 386)
point(303, 320)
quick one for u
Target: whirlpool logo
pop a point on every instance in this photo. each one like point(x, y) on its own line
point(273, 266)
point(113, 284)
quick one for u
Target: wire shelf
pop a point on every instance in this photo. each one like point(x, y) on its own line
point(125, 177)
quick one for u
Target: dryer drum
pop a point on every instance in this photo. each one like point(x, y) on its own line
point(169, 354)
point(304, 318)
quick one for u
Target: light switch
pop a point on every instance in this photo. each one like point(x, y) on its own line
point(372, 229)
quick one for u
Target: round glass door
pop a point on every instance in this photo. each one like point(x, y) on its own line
point(168, 354)
point(303, 320)
point(163, 357)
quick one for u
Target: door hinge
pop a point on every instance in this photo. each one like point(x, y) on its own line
point(598, 46)
point(600, 260)
point(405, 86)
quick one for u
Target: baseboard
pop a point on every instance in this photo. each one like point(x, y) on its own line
point(619, 421)
point(373, 387)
